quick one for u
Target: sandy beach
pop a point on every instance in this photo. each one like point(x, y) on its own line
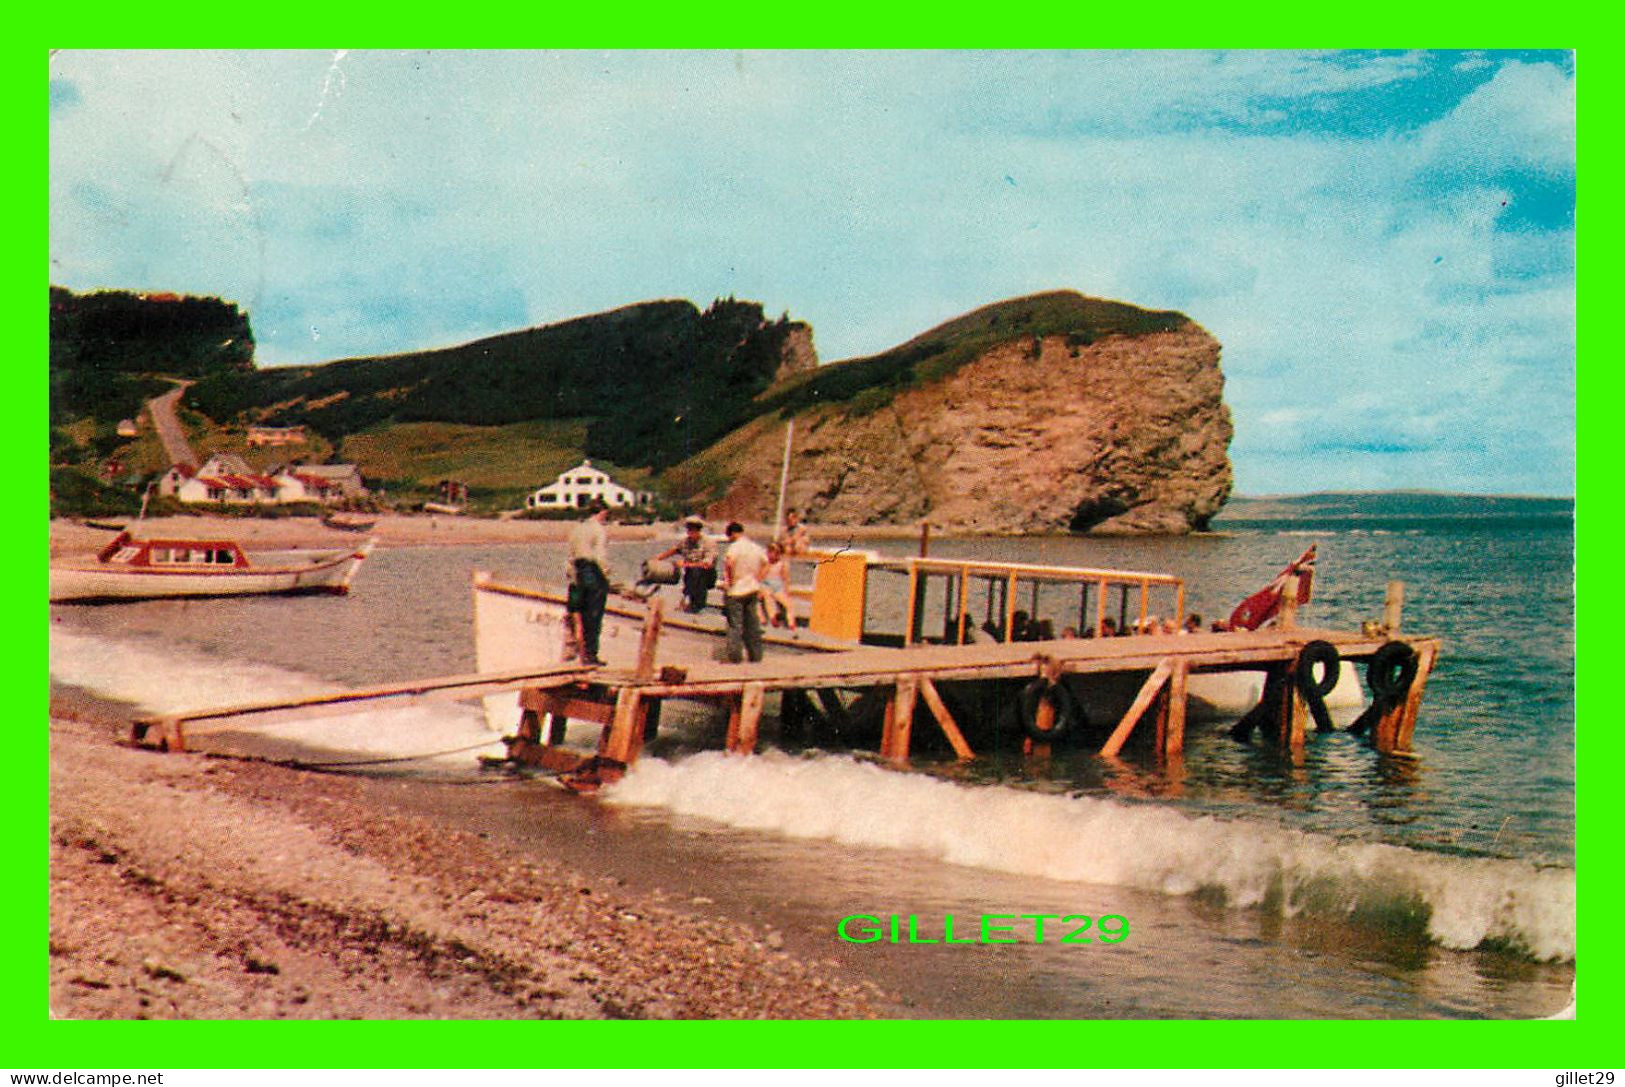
point(72, 537)
point(195, 887)
point(190, 886)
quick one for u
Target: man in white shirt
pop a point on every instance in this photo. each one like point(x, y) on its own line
point(741, 585)
point(589, 557)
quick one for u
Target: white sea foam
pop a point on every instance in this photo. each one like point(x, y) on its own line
point(174, 679)
point(1465, 901)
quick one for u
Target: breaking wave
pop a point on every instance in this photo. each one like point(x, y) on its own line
point(165, 678)
point(1456, 902)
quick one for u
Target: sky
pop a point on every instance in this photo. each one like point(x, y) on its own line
point(1383, 243)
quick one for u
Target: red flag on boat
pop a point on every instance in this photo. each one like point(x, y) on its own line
point(1261, 607)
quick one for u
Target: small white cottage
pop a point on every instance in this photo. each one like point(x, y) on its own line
point(223, 479)
point(579, 486)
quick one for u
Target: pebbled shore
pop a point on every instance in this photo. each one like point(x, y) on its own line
point(70, 537)
point(191, 887)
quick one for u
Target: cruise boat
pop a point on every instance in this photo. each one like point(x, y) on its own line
point(860, 598)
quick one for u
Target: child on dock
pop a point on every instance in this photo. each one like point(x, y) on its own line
point(777, 607)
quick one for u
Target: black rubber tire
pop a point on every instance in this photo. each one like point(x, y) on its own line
point(1068, 714)
point(1315, 690)
point(1390, 672)
point(1322, 653)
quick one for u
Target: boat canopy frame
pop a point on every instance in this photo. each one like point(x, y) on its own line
point(1004, 583)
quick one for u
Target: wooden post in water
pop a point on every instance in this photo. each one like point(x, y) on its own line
point(1171, 720)
point(1142, 701)
point(950, 727)
point(1287, 617)
point(1413, 698)
point(1294, 711)
point(1393, 608)
point(1044, 712)
point(649, 641)
point(735, 715)
point(899, 722)
point(625, 727)
point(750, 718)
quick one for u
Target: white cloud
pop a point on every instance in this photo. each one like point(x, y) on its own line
point(403, 200)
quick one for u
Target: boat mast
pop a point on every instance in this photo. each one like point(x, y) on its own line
point(784, 476)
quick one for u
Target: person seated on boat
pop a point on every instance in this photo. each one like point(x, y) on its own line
point(1220, 627)
point(1021, 627)
point(698, 558)
point(1193, 624)
point(993, 630)
point(793, 537)
point(1108, 627)
point(1169, 626)
point(1041, 630)
point(967, 631)
point(1069, 633)
point(777, 607)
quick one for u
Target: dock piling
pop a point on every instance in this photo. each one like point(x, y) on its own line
point(1171, 712)
point(945, 720)
point(899, 721)
point(1393, 608)
point(1142, 702)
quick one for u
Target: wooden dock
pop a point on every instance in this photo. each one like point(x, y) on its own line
point(626, 702)
point(622, 701)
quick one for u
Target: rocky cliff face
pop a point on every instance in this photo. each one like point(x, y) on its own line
point(797, 354)
point(1127, 434)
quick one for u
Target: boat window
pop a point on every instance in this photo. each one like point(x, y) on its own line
point(224, 557)
point(159, 554)
point(126, 554)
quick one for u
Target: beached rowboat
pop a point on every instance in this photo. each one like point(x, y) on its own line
point(139, 569)
point(349, 522)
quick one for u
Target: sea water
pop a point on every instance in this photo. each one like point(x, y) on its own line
point(1253, 884)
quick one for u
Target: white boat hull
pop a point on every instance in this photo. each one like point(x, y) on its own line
point(1228, 695)
point(275, 572)
point(518, 627)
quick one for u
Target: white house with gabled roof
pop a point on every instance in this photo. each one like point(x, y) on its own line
point(580, 486)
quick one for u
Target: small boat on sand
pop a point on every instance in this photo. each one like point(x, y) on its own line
point(350, 522)
point(142, 569)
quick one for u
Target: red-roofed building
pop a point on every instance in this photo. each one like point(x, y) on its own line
point(227, 479)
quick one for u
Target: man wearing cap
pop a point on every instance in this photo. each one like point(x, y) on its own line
point(742, 586)
point(698, 557)
point(589, 557)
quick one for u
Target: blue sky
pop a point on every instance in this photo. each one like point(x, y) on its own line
point(1383, 242)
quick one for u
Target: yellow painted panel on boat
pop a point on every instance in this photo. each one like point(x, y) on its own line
point(838, 597)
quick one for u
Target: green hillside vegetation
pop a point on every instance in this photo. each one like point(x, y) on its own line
point(208, 439)
point(656, 393)
point(108, 348)
point(656, 382)
point(864, 384)
point(110, 351)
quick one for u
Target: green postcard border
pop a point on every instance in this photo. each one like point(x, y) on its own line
point(35, 1041)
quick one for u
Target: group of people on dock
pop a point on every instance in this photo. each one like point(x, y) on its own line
point(1024, 628)
point(755, 580)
